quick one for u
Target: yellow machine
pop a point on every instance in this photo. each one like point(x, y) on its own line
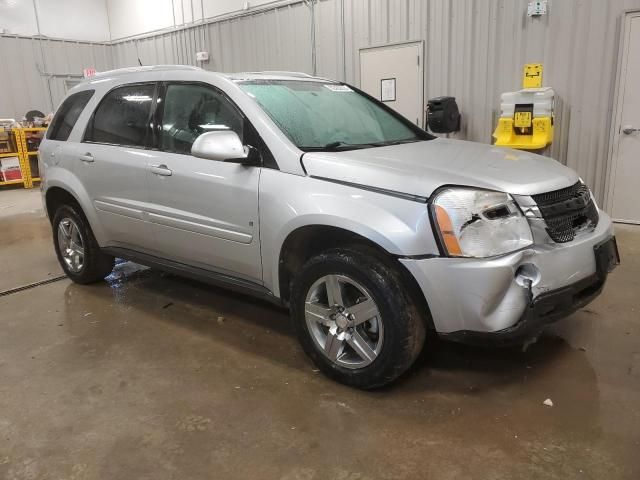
point(526, 116)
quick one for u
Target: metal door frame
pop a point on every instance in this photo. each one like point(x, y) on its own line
point(402, 43)
point(616, 119)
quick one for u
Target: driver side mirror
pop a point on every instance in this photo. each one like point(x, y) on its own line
point(224, 146)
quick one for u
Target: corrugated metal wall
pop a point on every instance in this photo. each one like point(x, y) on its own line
point(33, 71)
point(474, 50)
point(275, 39)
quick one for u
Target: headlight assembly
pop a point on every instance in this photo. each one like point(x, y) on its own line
point(479, 223)
point(593, 198)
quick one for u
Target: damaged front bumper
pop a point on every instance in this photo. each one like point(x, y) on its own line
point(512, 297)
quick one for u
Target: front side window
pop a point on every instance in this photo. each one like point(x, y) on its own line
point(329, 116)
point(122, 117)
point(67, 115)
point(191, 110)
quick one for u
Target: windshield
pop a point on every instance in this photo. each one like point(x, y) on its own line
point(329, 116)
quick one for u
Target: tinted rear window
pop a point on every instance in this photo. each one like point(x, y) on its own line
point(122, 118)
point(67, 115)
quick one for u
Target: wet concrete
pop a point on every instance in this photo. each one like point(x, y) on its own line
point(148, 376)
point(26, 251)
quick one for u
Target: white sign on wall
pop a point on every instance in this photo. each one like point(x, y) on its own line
point(202, 56)
point(388, 90)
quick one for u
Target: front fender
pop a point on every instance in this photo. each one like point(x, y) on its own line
point(289, 202)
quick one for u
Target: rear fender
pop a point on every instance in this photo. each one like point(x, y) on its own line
point(65, 179)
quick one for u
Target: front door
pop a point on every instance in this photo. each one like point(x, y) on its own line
point(394, 75)
point(204, 212)
point(624, 194)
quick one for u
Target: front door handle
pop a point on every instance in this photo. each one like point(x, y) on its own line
point(628, 129)
point(87, 157)
point(162, 170)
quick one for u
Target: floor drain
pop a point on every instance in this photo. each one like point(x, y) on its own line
point(32, 285)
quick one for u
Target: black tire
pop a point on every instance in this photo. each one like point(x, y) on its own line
point(404, 323)
point(96, 265)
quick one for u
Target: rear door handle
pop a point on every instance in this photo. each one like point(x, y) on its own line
point(162, 170)
point(87, 157)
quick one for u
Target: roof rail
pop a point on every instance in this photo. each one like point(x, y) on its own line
point(150, 68)
point(284, 72)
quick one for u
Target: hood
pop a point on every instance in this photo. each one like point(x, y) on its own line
point(420, 168)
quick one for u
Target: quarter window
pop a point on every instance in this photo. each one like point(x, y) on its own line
point(67, 115)
point(191, 110)
point(122, 118)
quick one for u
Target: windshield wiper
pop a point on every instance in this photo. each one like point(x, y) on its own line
point(396, 142)
point(339, 146)
point(346, 146)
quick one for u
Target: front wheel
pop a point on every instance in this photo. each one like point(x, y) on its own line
point(355, 319)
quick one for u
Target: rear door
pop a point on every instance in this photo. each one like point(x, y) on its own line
point(204, 212)
point(112, 164)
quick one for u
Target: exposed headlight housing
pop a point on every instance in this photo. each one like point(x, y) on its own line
point(479, 223)
point(593, 198)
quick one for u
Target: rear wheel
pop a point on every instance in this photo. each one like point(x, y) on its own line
point(76, 247)
point(355, 319)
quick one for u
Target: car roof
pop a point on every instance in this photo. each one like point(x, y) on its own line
point(134, 72)
point(276, 75)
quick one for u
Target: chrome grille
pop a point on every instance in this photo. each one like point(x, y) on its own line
point(566, 211)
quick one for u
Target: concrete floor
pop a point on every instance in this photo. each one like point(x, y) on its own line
point(137, 378)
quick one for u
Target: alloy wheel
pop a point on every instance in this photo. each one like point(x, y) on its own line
point(71, 244)
point(344, 321)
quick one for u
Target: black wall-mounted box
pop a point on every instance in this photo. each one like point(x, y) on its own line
point(443, 115)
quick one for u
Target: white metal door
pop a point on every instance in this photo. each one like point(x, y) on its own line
point(394, 74)
point(624, 191)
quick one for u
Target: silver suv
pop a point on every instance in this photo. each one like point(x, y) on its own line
point(314, 195)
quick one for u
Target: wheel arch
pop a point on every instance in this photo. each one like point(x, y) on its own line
point(56, 196)
point(307, 241)
point(62, 186)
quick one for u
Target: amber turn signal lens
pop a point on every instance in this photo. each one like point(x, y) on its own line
point(446, 230)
